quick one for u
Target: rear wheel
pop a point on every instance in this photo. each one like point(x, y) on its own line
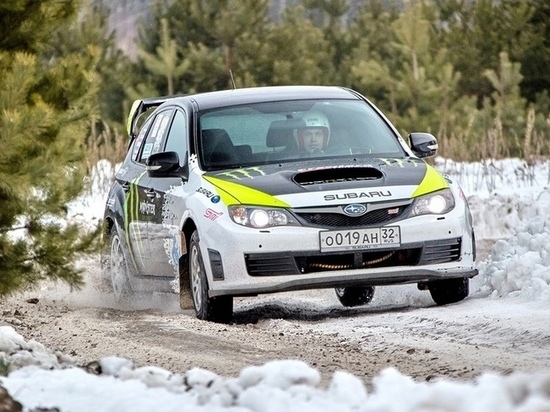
point(118, 268)
point(449, 290)
point(215, 309)
point(355, 296)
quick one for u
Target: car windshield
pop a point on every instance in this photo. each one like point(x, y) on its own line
point(290, 131)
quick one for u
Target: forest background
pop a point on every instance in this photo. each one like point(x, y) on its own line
point(475, 73)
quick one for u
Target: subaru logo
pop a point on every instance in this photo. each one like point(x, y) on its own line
point(355, 210)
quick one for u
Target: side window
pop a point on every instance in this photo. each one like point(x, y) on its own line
point(139, 138)
point(155, 135)
point(177, 137)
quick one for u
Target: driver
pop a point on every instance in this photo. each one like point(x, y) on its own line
point(314, 135)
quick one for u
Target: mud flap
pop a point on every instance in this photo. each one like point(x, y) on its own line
point(186, 299)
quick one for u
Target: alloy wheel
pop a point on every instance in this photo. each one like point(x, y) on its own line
point(196, 278)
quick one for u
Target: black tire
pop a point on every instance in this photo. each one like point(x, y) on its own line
point(217, 309)
point(119, 271)
point(449, 290)
point(355, 296)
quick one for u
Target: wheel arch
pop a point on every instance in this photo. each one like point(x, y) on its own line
point(114, 220)
point(108, 225)
point(114, 213)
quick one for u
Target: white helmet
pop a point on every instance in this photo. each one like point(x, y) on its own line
point(314, 120)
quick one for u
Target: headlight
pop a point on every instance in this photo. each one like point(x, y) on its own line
point(436, 203)
point(259, 217)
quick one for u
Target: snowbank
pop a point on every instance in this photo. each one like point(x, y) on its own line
point(88, 209)
point(520, 266)
point(510, 204)
point(115, 384)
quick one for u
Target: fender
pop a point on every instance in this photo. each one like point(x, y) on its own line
point(115, 208)
point(114, 220)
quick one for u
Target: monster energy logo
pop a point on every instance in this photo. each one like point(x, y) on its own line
point(401, 162)
point(391, 162)
point(249, 172)
point(146, 208)
point(131, 214)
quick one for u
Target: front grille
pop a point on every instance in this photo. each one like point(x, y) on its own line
point(441, 251)
point(337, 220)
point(270, 264)
point(281, 264)
point(284, 264)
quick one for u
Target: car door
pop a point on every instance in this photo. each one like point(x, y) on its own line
point(146, 205)
point(164, 227)
point(131, 177)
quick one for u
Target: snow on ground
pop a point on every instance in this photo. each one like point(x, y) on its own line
point(285, 385)
point(510, 203)
point(510, 200)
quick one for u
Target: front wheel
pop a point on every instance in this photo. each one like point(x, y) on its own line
point(449, 290)
point(355, 296)
point(215, 309)
point(119, 271)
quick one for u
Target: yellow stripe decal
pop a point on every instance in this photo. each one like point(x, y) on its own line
point(230, 192)
point(432, 182)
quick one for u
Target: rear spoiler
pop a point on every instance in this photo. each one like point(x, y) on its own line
point(138, 108)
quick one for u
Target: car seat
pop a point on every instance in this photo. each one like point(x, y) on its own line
point(218, 149)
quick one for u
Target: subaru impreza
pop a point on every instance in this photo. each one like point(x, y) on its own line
point(252, 191)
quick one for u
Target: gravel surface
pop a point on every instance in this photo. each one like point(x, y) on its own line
point(401, 328)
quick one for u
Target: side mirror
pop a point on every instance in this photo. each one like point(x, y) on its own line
point(423, 144)
point(166, 164)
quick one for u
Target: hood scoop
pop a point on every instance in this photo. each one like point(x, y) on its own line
point(337, 175)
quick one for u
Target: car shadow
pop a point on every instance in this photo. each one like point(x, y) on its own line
point(267, 311)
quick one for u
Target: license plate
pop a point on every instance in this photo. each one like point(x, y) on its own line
point(371, 238)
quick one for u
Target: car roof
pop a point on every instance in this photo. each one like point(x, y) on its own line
point(225, 98)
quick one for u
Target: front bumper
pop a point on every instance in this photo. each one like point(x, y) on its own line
point(289, 258)
point(344, 279)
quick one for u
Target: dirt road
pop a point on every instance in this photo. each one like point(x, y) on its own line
point(401, 328)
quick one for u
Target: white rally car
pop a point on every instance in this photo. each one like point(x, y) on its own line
point(252, 191)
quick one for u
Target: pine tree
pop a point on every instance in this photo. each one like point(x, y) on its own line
point(508, 108)
point(91, 30)
point(536, 58)
point(46, 102)
point(411, 82)
point(210, 40)
point(296, 52)
point(166, 61)
point(475, 33)
point(107, 138)
point(330, 16)
point(373, 54)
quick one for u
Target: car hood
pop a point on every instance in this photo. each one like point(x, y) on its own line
point(323, 182)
